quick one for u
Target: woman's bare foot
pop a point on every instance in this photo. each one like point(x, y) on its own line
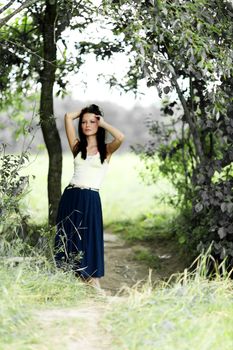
point(95, 283)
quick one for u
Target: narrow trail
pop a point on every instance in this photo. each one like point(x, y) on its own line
point(83, 328)
point(122, 269)
point(76, 328)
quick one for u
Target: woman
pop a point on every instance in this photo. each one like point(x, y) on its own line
point(79, 237)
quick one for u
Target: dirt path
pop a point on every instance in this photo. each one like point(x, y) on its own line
point(75, 329)
point(122, 268)
point(82, 326)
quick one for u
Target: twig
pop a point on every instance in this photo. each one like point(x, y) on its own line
point(4, 8)
point(26, 4)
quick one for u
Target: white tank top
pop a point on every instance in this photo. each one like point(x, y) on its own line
point(89, 172)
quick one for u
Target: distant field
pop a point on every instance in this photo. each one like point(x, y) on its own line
point(123, 194)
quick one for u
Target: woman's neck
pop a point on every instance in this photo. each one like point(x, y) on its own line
point(91, 141)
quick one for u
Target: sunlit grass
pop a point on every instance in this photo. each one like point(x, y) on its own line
point(26, 290)
point(145, 227)
point(190, 312)
point(124, 195)
point(193, 313)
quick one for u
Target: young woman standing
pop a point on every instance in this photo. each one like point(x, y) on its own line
point(79, 241)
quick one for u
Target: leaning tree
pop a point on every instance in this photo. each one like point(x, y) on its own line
point(185, 49)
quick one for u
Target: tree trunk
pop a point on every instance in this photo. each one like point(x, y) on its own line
point(48, 123)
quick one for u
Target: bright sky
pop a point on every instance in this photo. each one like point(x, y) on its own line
point(86, 86)
point(99, 90)
point(95, 89)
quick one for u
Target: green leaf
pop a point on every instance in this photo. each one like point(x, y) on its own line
point(222, 232)
point(198, 207)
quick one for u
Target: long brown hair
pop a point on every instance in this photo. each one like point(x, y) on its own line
point(81, 146)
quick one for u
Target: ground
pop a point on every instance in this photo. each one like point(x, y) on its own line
point(82, 326)
point(123, 269)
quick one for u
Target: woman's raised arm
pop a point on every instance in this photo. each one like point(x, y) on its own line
point(70, 129)
point(117, 134)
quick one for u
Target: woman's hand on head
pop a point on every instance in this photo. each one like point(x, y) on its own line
point(100, 120)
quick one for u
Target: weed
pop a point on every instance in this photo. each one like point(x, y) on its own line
point(144, 255)
point(187, 312)
point(147, 227)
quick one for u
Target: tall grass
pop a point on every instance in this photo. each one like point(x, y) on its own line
point(187, 312)
point(124, 195)
point(27, 289)
point(191, 313)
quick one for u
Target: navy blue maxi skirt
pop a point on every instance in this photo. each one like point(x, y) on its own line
point(79, 244)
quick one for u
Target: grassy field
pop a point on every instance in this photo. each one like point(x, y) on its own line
point(41, 309)
point(25, 292)
point(192, 314)
point(124, 195)
point(45, 309)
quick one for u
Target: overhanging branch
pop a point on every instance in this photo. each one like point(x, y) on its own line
point(4, 8)
point(193, 127)
point(26, 4)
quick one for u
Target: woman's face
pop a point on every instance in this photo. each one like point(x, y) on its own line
point(89, 124)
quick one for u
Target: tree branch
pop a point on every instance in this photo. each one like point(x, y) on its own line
point(4, 8)
point(193, 128)
point(26, 4)
point(25, 48)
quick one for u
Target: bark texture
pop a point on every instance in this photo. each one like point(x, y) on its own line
point(47, 119)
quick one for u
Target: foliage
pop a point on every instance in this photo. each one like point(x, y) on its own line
point(13, 187)
point(14, 226)
point(14, 11)
point(22, 47)
point(36, 51)
point(184, 48)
